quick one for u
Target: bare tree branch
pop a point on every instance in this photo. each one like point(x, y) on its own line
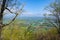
point(55, 25)
point(20, 11)
point(10, 22)
point(9, 10)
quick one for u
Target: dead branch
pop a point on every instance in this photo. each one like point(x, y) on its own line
point(9, 10)
point(20, 11)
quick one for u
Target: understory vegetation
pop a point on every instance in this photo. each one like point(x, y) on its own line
point(21, 31)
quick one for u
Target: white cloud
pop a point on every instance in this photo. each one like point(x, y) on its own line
point(30, 14)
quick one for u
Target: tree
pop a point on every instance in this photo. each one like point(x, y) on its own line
point(54, 8)
point(9, 5)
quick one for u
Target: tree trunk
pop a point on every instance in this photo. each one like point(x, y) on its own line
point(1, 16)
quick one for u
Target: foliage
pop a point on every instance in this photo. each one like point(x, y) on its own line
point(17, 32)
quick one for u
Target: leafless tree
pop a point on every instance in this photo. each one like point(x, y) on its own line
point(54, 9)
point(9, 5)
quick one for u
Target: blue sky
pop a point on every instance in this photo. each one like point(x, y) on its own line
point(35, 7)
